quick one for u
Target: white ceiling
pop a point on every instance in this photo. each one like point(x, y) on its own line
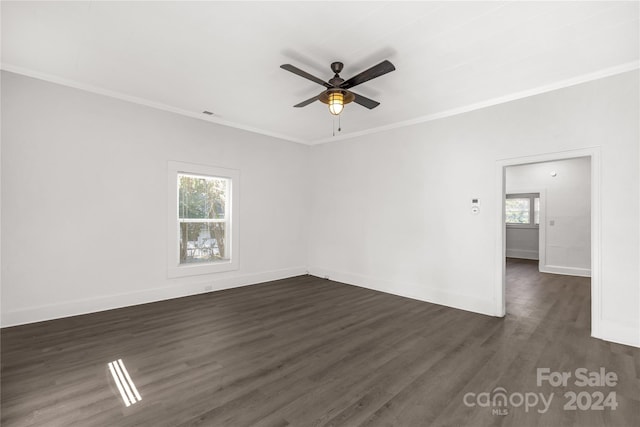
point(225, 56)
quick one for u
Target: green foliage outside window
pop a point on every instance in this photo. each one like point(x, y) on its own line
point(517, 211)
point(201, 210)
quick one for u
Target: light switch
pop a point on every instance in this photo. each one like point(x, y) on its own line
point(552, 222)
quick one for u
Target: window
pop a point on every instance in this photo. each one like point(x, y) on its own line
point(202, 219)
point(522, 210)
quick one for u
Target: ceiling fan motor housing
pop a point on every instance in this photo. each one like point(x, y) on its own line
point(336, 81)
point(336, 67)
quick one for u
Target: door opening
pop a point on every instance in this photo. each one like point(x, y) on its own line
point(565, 218)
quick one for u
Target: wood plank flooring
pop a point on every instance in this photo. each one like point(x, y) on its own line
point(311, 352)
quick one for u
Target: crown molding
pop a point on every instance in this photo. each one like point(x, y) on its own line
point(607, 72)
point(142, 101)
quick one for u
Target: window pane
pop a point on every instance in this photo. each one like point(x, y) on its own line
point(202, 242)
point(517, 211)
point(536, 210)
point(201, 197)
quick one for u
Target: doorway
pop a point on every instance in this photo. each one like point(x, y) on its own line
point(554, 256)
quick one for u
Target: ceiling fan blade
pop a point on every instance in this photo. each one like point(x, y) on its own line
point(307, 102)
point(298, 71)
point(364, 101)
point(376, 71)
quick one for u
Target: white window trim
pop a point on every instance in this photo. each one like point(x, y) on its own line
point(174, 268)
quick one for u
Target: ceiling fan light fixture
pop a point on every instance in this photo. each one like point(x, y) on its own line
point(336, 103)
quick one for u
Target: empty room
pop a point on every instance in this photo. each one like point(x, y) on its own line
point(320, 213)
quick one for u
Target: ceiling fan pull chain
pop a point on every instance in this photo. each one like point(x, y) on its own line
point(339, 125)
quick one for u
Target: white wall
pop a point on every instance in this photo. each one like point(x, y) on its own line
point(567, 211)
point(523, 242)
point(391, 211)
point(84, 200)
point(82, 174)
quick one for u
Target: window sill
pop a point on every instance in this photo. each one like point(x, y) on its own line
point(524, 226)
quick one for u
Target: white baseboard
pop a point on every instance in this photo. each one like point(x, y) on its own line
point(568, 271)
point(427, 293)
point(619, 333)
point(522, 253)
point(84, 306)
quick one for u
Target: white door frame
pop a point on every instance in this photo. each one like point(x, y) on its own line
point(596, 294)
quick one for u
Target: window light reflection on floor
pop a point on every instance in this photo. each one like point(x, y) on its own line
point(123, 381)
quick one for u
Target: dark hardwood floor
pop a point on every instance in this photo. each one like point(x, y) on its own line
point(306, 351)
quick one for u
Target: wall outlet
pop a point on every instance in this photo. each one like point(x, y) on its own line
point(208, 288)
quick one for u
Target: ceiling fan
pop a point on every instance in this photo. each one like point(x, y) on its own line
point(337, 94)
